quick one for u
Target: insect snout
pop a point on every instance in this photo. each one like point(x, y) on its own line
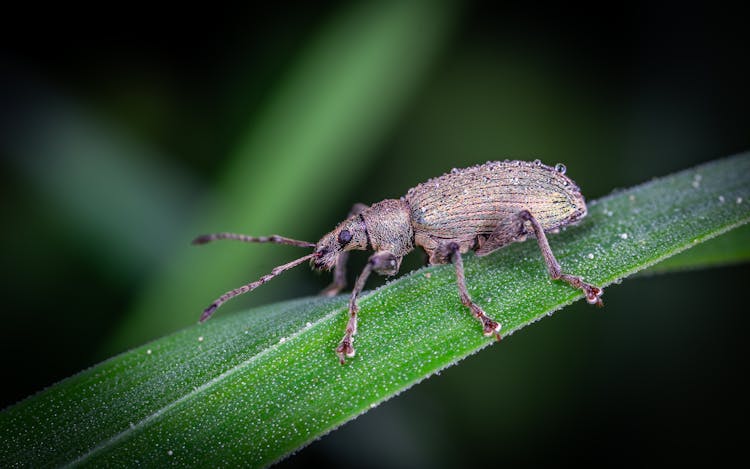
point(324, 258)
point(317, 260)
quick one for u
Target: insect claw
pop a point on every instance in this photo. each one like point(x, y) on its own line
point(491, 327)
point(345, 350)
point(594, 295)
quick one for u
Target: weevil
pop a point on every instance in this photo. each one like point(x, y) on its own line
point(480, 208)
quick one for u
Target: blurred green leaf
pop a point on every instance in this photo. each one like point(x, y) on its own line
point(249, 389)
point(117, 197)
point(338, 100)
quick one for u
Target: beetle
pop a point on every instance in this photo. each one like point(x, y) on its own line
point(480, 208)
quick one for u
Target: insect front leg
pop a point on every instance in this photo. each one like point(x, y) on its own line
point(490, 326)
point(593, 294)
point(383, 263)
point(339, 271)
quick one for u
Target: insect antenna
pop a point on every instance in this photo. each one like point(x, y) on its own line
point(253, 285)
point(276, 239)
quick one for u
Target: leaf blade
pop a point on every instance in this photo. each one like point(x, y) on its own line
point(253, 387)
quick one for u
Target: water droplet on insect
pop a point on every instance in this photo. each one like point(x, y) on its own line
point(560, 168)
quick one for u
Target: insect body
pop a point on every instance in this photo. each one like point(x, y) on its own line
point(481, 208)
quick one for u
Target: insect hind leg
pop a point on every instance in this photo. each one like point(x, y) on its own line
point(508, 230)
point(593, 294)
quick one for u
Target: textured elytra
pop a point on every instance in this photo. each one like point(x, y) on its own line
point(471, 205)
point(467, 202)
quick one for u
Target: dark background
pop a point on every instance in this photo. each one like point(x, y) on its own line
point(620, 95)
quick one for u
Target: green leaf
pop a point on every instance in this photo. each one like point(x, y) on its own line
point(250, 388)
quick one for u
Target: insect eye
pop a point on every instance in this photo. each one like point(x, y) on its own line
point(344, 237)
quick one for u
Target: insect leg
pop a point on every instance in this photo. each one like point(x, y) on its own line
point(339, 271)
point(593, 294)
point(381, 262)
point(508, 230)
point(491, 327)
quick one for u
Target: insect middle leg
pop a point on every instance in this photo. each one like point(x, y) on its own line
point(490, 326)
point(383, 263)
point(593, 294)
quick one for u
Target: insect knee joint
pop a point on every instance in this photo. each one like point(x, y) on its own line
point(385, 263)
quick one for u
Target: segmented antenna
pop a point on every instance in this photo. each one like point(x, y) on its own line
point(276, 239)
point(252, 286)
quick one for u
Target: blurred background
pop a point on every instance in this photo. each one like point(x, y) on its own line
point(125, 134)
